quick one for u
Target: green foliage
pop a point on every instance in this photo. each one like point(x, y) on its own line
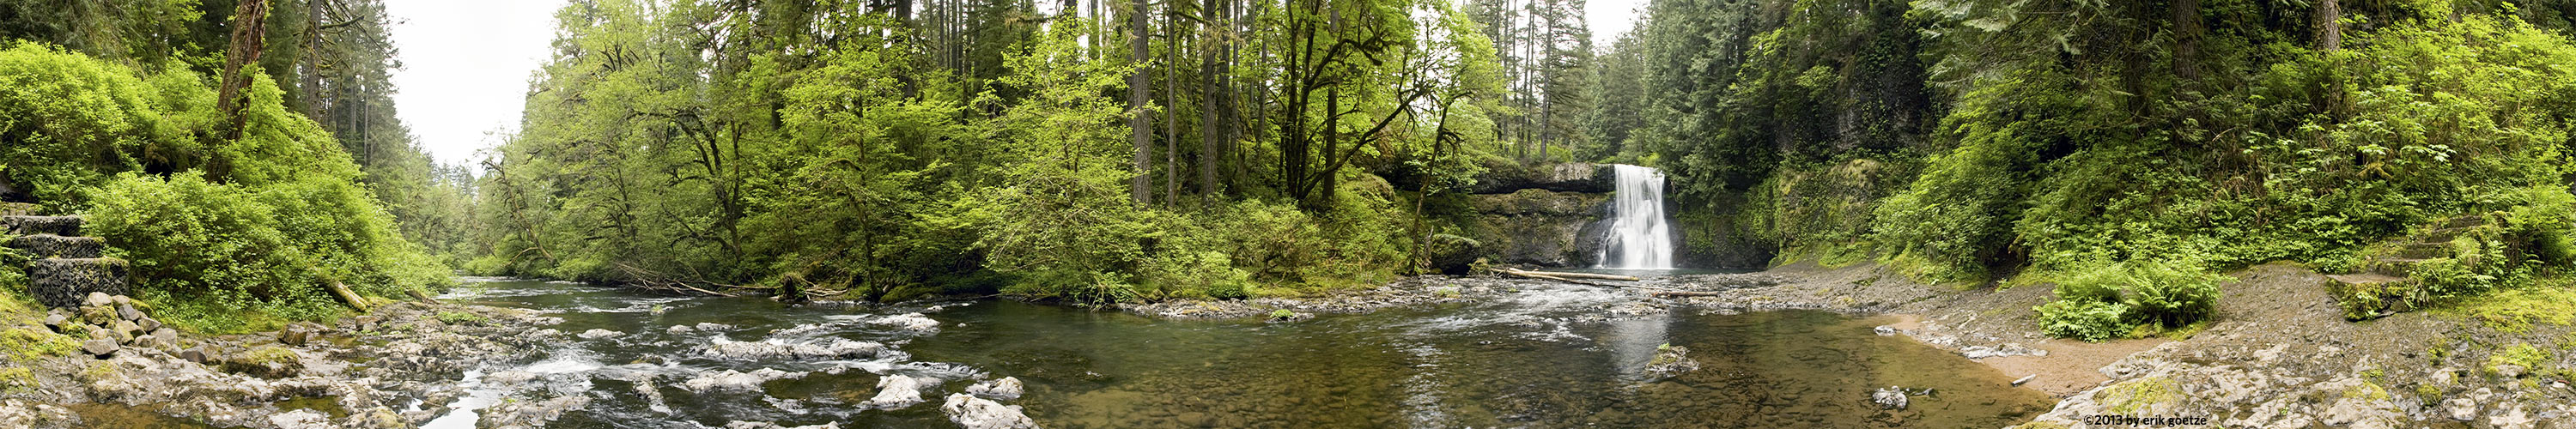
point(2132, 298)
point(2086, 320)
point(72, 121)
point(2551, 301)
point(212, 251)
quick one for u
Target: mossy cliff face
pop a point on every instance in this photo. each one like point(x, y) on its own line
point(1539, 227)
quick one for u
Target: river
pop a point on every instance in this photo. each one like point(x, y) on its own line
point(1544, 356)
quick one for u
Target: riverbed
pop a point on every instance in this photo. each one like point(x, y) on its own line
point(1536, 355)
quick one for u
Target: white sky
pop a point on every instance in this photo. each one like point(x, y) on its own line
point(466, 64)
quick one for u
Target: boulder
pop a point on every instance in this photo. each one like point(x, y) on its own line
point(58, 320)
point(1451, 254)
point(914, 322)
point(127, 312)
point(730, 380)
point(1891, 398)
point(2462, 409)
point(1007, 388)
point(978, 413)
point(834, 348)
point(165, 338)
point(600, 333)
point(99, 346)
point(896, 392)
point(96, 299)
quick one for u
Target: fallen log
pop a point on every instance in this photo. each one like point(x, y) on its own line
point(418, 295)
point(1574, 275)
point(1666, 294)
point(347, 296)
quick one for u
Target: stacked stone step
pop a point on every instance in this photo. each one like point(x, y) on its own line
point(112, 323)
point(68, 266)
point(2392, 270)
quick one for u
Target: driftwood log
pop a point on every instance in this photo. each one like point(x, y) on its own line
point(1674, 293)
point(1558, 275)
point(348, 296)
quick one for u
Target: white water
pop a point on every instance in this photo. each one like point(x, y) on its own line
point(1639, 236)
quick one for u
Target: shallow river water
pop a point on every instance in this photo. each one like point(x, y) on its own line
point(1548, 356)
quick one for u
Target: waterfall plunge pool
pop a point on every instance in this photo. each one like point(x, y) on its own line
point(1538, 357)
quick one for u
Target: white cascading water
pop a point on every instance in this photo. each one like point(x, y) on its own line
point(1639, 237)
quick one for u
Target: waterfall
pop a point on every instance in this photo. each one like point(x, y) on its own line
point(1639, 237)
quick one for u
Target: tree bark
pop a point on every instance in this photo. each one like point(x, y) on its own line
point(250, 28)
point(1140, 126)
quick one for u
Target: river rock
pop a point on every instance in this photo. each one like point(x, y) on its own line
point(896, 392)
point(99, 346)
point(18, 414)
point(1007, 388)
point(979, 413)
point(97, 299)
point(600, 333)
point(768, 425)
point(300, 419)
point(127, 312)
point(529, 414)
point(1892, 398)
point(59, 321)
point(914, 322)
point(736, 380)
point(1669, 361)
point(829, 349)
point(2461, 409)
point(295, 335)
point(677, 329)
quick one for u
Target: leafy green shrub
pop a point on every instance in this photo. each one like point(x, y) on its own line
point(2545, 219)
point(2086, 320)
point(2171, 296)
point(72, 121)
point(2110, 300)
point(220, 257)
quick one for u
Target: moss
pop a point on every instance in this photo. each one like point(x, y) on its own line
point(268, 355)
point(2516, 310)
point(2524, 355)
point(461, 318)
point(2428, 394)
point(17, 379)
point(98, 371)
point(2132, 397)
point(2366, 391)
point(26, 344)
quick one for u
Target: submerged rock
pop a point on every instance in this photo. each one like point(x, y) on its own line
point(1669, 361)
point(600, 333)
point(1892, 398)
point(1007, 388)
point(979, 413)
point(896, 391)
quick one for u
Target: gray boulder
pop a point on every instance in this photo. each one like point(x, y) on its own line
point(1007, 388)
point(978, 413)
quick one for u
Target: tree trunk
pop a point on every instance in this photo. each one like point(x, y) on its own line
point(1209, 88)
point(250, 27)
point(2186, 27)
point(1140, 126)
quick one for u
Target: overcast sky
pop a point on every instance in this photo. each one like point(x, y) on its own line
point(466, 64)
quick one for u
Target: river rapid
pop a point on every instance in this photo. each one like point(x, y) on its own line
point(1532, 355)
